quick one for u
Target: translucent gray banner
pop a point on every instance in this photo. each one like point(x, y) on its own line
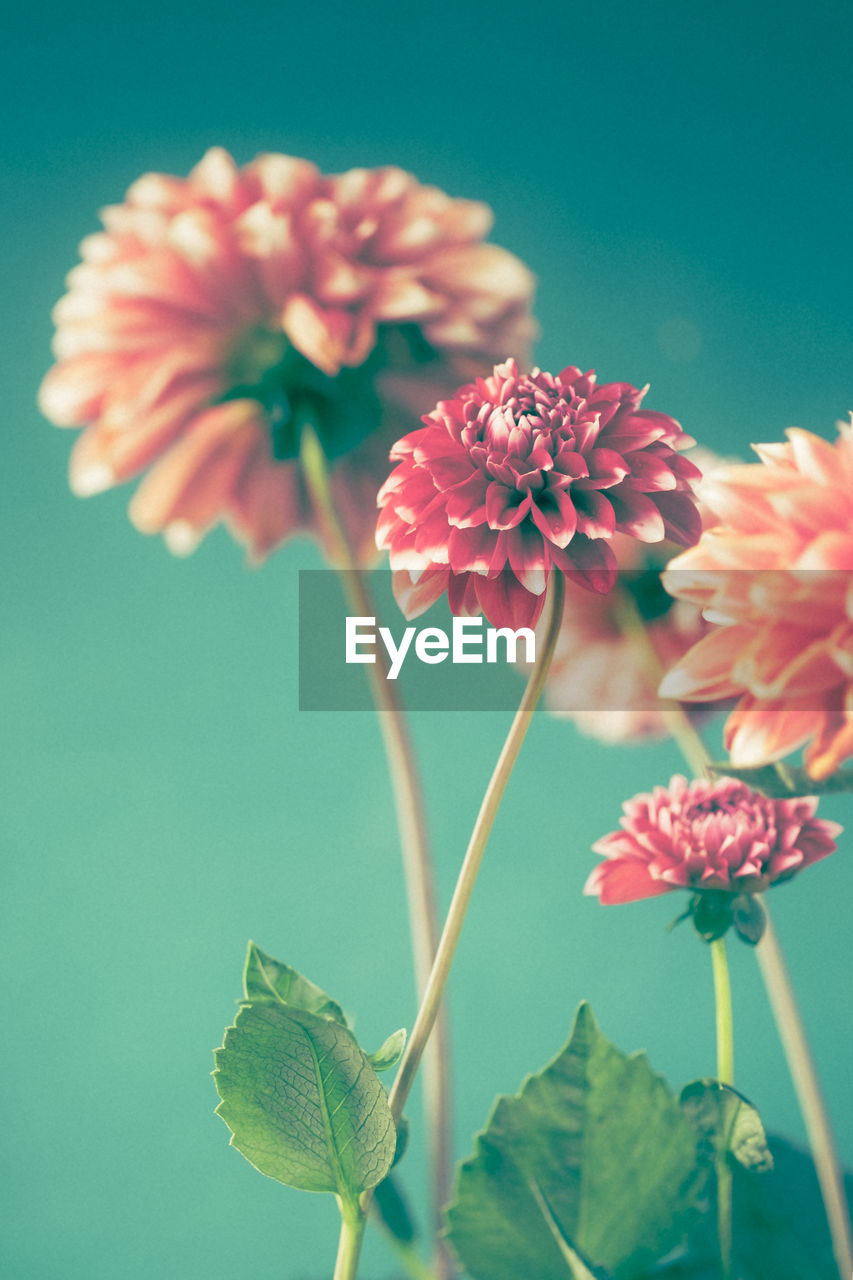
point(610, 653)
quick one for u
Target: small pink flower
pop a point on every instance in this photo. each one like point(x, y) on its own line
point(717, 835)
point(521, 474)
point(214, 309)
point(773, 569)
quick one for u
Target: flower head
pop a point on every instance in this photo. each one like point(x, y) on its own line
point(520, 474)
point(604, 672)
point(773, 570)
point(601, 675)
point(213, 311)
point(708, 836)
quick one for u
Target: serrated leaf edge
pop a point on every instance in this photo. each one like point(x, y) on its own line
point(351, 1199)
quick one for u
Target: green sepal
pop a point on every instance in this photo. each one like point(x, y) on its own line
point(749, 918)
point(711, 913)
point(714, 912)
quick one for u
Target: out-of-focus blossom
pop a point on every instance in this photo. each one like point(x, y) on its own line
point(708, 836)
point(774, 570)
point(215, 313)
point(518, 475)
point(604, 675)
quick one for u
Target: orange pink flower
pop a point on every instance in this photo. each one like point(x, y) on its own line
point(773, 569)
point(214, 312)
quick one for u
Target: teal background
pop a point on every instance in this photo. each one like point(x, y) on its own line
point(679, 179)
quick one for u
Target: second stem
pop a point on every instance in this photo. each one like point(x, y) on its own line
point(411, 821)
point(431, 1003)
point(725, 1075)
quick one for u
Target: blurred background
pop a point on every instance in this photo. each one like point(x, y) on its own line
point(678, 177)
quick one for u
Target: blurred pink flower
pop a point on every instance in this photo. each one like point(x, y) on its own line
point(214, 310)
point(519, 474)
point(717, 835)
point(601, 676)
point(773, 569)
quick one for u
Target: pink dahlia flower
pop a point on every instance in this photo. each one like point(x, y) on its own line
point(773, 569)
point(214, 312)
point(601, 676)
point(703, 835)
point(520, 474)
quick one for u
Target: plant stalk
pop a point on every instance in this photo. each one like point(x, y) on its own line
point(812, 1104)
point(353, 1222)
point(474, 855)
point(723, 1003)
point(414, 845)
point(783, 1003)
point(725, 1075)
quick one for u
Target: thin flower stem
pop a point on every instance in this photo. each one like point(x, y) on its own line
point(780, 994)
point(725, 1074)
point(353, 1222)
point(724, 1213)
point(801, 1064)
point(474, 855)
point(414, 845)
point(723, 1002)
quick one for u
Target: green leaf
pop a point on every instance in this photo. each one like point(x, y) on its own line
point(390, 1053)
point(725, 1121)
point(302, 1101)
point(594, 1155)
point(389, 1200)
point(266, 980)
point(392, 1209)
point(402, 1140)
point(579, 1268)
point(780, 1228)
point(781, 781)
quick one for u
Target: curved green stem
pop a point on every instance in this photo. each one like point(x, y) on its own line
point(725, 1074)
point(723, 1003)
point(474, 855)
point(412, 825)
point(353, 1222)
